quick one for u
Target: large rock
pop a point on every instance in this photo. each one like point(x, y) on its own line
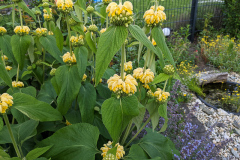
point(212, 77)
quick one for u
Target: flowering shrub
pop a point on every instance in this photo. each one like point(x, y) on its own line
point(222, 52)
point(61, 96)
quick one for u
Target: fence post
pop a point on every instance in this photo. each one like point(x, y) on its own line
point(193, 19)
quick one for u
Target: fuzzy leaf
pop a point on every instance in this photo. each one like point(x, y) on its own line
point(160, 78)
point(4, 74)
point(81, 54)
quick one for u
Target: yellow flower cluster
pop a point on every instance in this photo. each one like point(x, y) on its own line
point(154, 16)
point(106, 147)
point(103, 30)
point(5, 58)
point(161, 96)
point(65, 5)
point(107, 1)
point(84, 77)
point(150, 93)
point(5, 102)
point(47, 15)
point(68, 58)
point(22, 30)
point(144, 77)
point(68, 123)
point(77, 41)
point(2, 31)
point(128, 66)
point(119, 86)
point(120, 15)
point(8, 68)
point(186, 69)
point(41, 32)
point(85, 29)
point(169, 69)
point(17, 84)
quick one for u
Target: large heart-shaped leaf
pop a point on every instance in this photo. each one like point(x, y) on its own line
point(116, 114)
point(87, 100)
point(34, 108)
point(50, 45)
point(35, 153)
point(20, 46)
point(47, 93)
point(77, 141)
point(69, 83)
point(21, 132)
point(109, 43)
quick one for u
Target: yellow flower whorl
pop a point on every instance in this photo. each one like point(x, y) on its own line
point(8, 68)
point(161, 96)
point(120, 15)
point(103, 30)
point(65, 5)
point(144, 77)
point(119, 86)
point(68, 58)
point(17, 84)
point(22, 30)
point(5, 102)
point(4, 57)
point(154, 17)
point(128, 66)
point(2, 31)
point(77, 41)
point(41, 32)
point(106, 147)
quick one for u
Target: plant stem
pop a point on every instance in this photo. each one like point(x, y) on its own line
point(122, 62)
point(91, 18)
point(146, 61)
point(11, 135)
point(20, 14)
point(144, 125)
point(44, 55)
point(13, 15)
point(127, 132)
point(17, 74)
point(69, 34)
point(165, 85)
point(39, 22)
point(3, 58)
point(107, 22)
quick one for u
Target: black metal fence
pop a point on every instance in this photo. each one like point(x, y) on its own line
point(180, 13)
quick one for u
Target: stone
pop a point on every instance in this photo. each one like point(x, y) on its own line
point(207, 111)
point(208, 124)
point(222, 125)
point(235, 153)
point(236, 124)
point(238, 147)
point(198, 101)
point(221, 112)
point(237, 131)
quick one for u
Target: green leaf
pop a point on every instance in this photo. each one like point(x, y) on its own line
point(109, 43)
point(68, 81)
point(136, 152)
point(138, 120)
point(108, 73)
point(77, 141)
point(116, 114)
point(1, 123)
point(5, 46)
point(7, 6)
point(26, 73)
point(4, 74)
point(103, 13)
point(99, 15)
point(50, 45)
point(87, 100)
point(90, 42)
point(162, 110)
point(35, 153)
point(20, 46)
point(81, 54)
point(78, 28)
point(58, 22)
point(82, 3)
point(153, 111)
point(156, 145)
point(176, 76)
point(47, 93)
point(3, 155)
point(34, 109)
point(30, 90)
point(31, 50)
point(59, 38)
point(19, 116)
point(23, 5)
point(99, 123)
point(160, 56)
point(21, 132)
point(139, 34)
point(159, 37)
point(160, 78)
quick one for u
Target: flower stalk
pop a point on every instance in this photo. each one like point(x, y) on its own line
point(69, 34)
point(127, 132)
point(11, 135)
point(122, 61)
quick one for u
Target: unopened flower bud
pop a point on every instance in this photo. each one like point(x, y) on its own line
point(93, 28)
point(53, 71)
point(90, 9)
